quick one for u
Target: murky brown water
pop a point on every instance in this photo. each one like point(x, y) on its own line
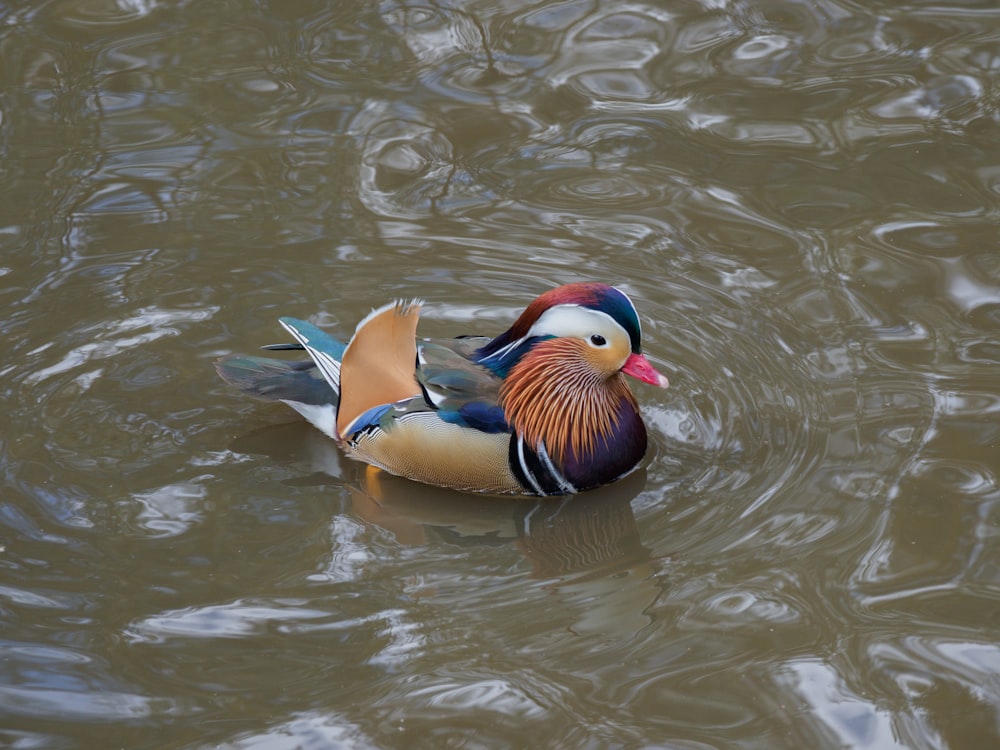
point(802, 198)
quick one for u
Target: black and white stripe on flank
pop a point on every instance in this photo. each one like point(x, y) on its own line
point(565, 486)
point(525, 469)
point(536, 470)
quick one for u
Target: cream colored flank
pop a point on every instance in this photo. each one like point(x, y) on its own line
point(423, 447)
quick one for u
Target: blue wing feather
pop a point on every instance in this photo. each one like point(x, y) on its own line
point(461, 390)
point(370, 418)
point(312, 382)
point(326, 351)
point(478, 415)
point(277, 380)
point(309, 336)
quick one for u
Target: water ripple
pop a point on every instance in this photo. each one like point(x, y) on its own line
point(801, 199)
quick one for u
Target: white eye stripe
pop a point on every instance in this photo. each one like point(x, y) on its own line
point(576, 321)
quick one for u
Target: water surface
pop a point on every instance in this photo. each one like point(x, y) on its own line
point(802, 199)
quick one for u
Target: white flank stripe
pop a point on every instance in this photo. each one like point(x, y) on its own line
point(564, 484)
point(524, 466)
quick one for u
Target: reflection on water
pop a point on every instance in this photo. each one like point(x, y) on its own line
point(801, 198)
point(581, 544)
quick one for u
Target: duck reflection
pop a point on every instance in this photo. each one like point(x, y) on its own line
point(593, 532)
point(586, 548)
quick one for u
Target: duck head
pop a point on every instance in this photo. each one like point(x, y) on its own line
point(563, 363)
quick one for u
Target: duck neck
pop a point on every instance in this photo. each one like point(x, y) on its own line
point(554, 396)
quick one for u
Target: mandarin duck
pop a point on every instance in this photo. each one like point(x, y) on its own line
point(542, 409)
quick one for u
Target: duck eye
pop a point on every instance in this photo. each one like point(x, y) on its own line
point(598, 340)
